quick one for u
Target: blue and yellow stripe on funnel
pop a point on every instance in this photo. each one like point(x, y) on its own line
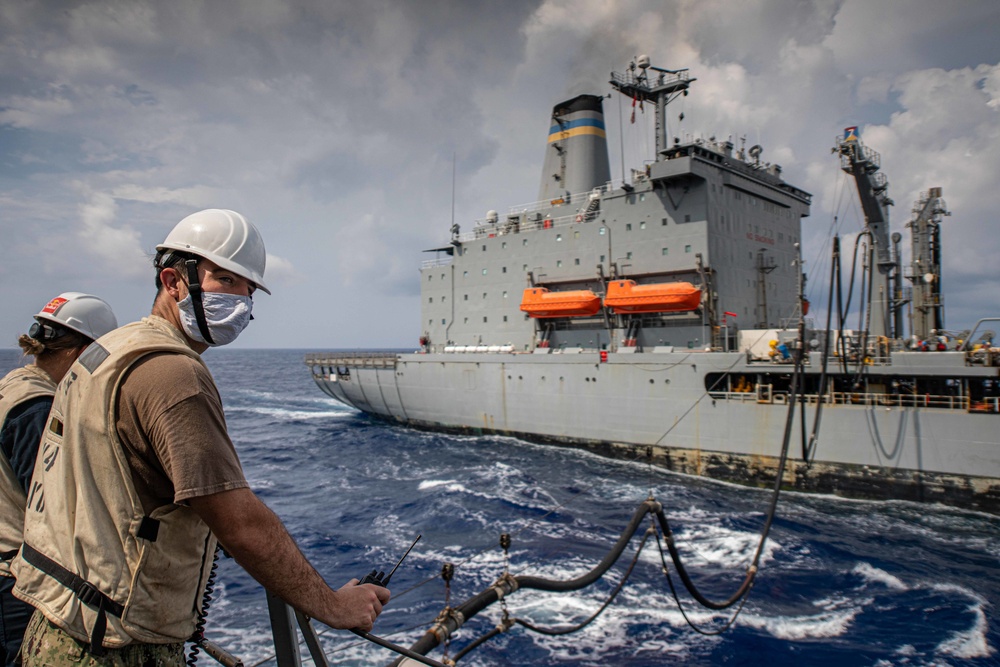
point(576, 128)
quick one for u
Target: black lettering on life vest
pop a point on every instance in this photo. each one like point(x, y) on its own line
point(49, 454)
point(68, 382)
point(36, 490)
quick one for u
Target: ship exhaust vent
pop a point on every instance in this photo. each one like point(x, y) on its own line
point(576, 158)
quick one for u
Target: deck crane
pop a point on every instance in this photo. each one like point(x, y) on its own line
point(863, 164)
point(927, 317)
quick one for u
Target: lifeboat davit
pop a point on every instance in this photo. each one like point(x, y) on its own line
point(625, 296)
point(540, 302)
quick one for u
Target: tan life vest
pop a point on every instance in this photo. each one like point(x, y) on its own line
point(90, 555)
point(20, 385)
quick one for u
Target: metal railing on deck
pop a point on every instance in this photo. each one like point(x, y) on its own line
point(352, 359)
point(765, 394)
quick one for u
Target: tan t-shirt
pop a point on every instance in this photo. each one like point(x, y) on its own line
point(171, 423)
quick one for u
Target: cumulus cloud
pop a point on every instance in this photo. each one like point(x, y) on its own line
point(117, 247)
point(281, 271)
point(336, 131)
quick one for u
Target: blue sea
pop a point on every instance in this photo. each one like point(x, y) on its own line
point(841, 582)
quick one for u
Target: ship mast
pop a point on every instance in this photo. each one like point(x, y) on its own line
point(635, 83)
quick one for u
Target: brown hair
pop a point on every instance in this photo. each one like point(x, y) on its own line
point(37, 348)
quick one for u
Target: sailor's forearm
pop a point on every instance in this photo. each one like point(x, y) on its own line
point(259, 542)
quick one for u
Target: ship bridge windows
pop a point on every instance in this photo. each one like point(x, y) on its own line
point(687, 248)
point(642, 225)
point(664, 251)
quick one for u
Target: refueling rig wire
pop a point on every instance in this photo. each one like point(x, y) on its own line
point(449, 621)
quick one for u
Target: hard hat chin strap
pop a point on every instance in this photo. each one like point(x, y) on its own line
point(194, 287)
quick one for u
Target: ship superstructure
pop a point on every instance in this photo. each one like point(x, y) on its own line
point(699, 207)
point(663, 319)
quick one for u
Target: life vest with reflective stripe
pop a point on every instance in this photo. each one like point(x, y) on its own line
point(84, 515)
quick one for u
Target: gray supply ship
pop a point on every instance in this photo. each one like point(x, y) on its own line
point(662, 319)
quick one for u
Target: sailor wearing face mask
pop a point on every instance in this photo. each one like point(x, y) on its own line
point(142, 477)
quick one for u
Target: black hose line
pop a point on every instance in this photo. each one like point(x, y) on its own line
point(454, 618)
point(553, 632)
point(445, 627)
point(809, 450)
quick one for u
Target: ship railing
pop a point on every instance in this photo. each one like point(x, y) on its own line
point(328, 361)
point(579, 199)
point(501, 229)
point(440, 261)
point(641, 80)
point(766, 394)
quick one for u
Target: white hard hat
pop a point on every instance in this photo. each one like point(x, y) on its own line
point(83, 313)
point(224, 237)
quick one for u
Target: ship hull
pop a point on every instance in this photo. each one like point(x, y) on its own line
point(654, 408)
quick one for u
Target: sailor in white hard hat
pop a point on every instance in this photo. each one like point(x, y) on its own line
point(62, 330)
point(159, 476)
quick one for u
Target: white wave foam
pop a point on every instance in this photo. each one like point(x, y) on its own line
point(973, 642)
point(872, 574)
point(449, 484)
point(826, 624)
point(282, 413)
point(718, 545)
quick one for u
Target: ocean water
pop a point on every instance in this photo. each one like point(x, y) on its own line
point(841, 583)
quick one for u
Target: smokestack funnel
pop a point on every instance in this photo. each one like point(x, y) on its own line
point(576, 159)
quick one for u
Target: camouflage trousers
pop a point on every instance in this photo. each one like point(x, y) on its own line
point(45, 645)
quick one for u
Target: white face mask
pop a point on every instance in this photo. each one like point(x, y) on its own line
point(226, 315)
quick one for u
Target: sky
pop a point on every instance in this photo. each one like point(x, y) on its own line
point(353, 133)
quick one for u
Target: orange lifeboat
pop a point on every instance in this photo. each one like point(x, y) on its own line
point(540, 302)
point(625, 296)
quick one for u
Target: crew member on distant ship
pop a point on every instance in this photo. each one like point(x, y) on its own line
point(141, 477)
point(61, 332)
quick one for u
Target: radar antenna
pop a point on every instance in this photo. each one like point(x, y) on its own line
point(666, 88)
